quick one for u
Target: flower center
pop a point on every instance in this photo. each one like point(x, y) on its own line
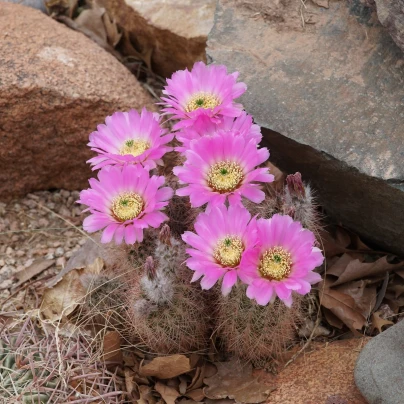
point(127, 206)
point(225, 176)
point(275, 264)
point(202, 100)
point(228, 251)
point(135, 147)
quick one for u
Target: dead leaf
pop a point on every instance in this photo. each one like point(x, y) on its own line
point(358, 270)
point(146, 396)
point(182, 387)
point(197, 395)
point(363, 294)
point(206, 370)
point(85, 256)
point(34, 269)
point(91, 19)
point(378, 322)
point(168, 394)
point(111, 29)
point(235, 381)
point(166, 367)
point(131, 387)
point(112, 348)
point(60, 300)
point(342, 306)
point(332, 319)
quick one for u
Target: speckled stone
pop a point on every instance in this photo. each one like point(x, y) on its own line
point(391, 15)
point(379, 372)
point(56, 85)
point(174, 31)
point(323, 375)
point(330, 98)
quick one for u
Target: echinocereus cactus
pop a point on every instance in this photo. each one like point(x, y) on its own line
point(223, 167)
point(167, 314)
point(282, 262)
point(129, 138)
point(240, 126)
point(205, 91)
point(223, 236)
point(123, 202)
point(259, 321)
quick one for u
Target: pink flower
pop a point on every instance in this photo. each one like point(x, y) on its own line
point(129, 138)
point(205, 90)
point(222, 237)
point(222, 167)
point(123, 202)
point(282, 262)
point(241, 126)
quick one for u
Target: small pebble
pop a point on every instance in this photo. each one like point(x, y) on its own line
point(61, 262)
point(59, 252)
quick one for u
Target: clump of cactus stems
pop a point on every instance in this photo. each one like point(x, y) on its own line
point(38, 366)
point(253, 332)
point(295, 199)
point(148, 297)
point(258, 333)
point(167, 313)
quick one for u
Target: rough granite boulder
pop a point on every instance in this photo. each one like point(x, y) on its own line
point(379, 372)
point(326, 85)
point(391, 15)
point(174, 31)
point(56, 85)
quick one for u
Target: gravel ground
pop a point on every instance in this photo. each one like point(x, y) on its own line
point(41, 226)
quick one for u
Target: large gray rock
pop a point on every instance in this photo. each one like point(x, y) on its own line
point(329, 96)
point(391, 15)
point(379, 371)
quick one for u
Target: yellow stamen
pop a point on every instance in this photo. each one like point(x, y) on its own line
point(202, 100)
point(135, 147)
point(275, 264)
point(228, 251)
point(225, 176)
point(127, 206)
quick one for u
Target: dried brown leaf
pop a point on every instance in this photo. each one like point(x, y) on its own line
point(146, 396)
point(112, 348)
point(235, 381)
point(197, 394)
point(131, 387)
point(169, 394)
point(182, 387)
point(91, 20)
point(332, 319)
point(358, 270)
point(378, 322)
point(342, 306)
point(34, 269)
point(60, 300)
point(85, 256)
point(111, 29)
point(166, 367)
point(363, 294)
